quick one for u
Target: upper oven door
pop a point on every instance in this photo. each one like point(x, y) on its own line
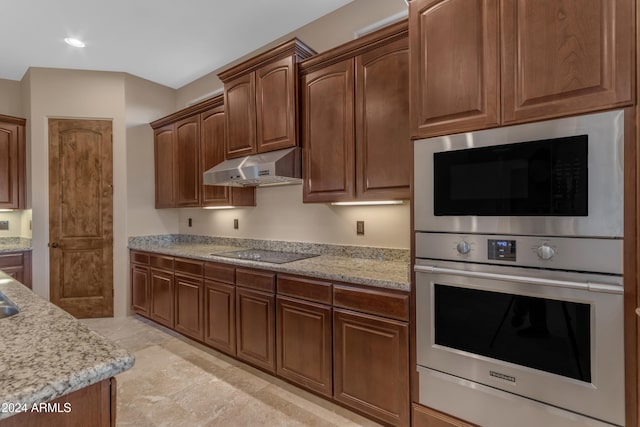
point(556, 178)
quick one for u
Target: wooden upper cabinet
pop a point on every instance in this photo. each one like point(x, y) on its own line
point(12, 163)
point(566, 57)
point(239, 100)
point(383, 147)
point(275, 105)
point(212, 137)
point(455, 68)
point(261, 100)
point(187, 173)
point(328, 133)
point(164, 166)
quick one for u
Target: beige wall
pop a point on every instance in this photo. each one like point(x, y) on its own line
point(18, 224)
point(10, 98)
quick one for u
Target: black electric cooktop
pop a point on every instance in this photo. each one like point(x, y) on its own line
point(273, 257)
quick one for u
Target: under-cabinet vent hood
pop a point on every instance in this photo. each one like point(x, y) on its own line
point(271, 168)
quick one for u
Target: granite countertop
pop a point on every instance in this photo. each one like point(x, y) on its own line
point(14, 244)
point(47, 353)
point(378, 267)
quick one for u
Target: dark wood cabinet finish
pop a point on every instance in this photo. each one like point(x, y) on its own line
point(563, 58)
point(261, 99)
point(455, 71)
point(164, 166)
point(328, 156)
point(12, 163)
point(355, 120)
point(220, 316)
point(255, 328)
point(381, 303)
point(218, 272)
point(427, 417)
point(256, 279)
point(371, 365)
point(189, 306)
point(304, 288)
point(18, 266)
point(140, 289)
point(188, 180)
point(162, 297)
point(212, 147)
point(304, 344)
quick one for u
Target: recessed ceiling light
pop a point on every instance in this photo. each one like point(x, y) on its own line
point(74, 42)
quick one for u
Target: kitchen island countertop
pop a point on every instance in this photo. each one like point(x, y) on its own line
point(47, 353)
point(14, 244)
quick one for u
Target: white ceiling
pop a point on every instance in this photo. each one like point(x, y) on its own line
point(170, 42)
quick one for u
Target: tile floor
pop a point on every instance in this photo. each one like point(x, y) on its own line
point(178, 382)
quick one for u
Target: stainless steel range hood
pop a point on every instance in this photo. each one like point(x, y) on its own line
point(272, 168)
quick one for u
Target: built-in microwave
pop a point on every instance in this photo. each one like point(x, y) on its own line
point(559, 177)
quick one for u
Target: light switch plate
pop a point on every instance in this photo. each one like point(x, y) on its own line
point(4, 225)
point(360, 228)
point(235, 224)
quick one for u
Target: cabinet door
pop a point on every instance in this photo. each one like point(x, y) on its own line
point(164, 166)
point(565, 57)
point(212, 146)
point(371, 365)
point(455, 73)
point(255, 328)
point(140, 289)
point(276, 105)
point(328, 134)
point(383, 147)
point(12, 166)
point(220, 316)
point(427, 417)
point(304, 344)
point(162, 297)
point(187, 163)
point(240, 105)
point(17, 272)
point(189, 317)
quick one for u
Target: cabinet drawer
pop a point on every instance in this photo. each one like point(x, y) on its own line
point(220, 272)
point(185, 266)
point(160, 261)
point(303, 288)
point(256, 279)
point(427, 417)
point(387, 304)
point(139, 258)
point(11, 260)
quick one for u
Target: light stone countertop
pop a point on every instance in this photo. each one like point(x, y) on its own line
point(390, 274)
point(14, 244)
point(47, 353)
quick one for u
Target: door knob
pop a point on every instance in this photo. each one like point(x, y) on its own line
point(53, 245)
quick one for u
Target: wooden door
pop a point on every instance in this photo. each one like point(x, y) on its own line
point(304, 351)
point(383, 147)
point(140, 289)
point(220, 316)
point(240, 105)
point(255, 328)
point(12, 163)
point(187, 178)
point(162, 297)
point(455, 73)
point(163, 139)
point(276, 105)
point(565, 57)
point(328, 134)
point(81, 216)
point(189, 303)
point(212, 152)
point(371, 365)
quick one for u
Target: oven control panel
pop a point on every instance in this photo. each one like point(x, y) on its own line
point(562, 253)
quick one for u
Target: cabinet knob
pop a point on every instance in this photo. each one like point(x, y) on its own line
point(53, 245)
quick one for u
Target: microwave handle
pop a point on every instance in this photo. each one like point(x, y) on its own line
point(588, 286)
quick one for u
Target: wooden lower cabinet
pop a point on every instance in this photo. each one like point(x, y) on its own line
point(371, 365)
point(94, 405)
point(220, 316)
point(189, 304)
point(304, 339)
point(140, 289)
point(427, 417)
point(18, 266)
point(255, 328)
point(162, 297)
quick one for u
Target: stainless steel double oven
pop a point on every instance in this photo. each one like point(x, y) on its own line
point(519, 290)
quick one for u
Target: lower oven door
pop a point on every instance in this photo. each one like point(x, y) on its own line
point(553, 337)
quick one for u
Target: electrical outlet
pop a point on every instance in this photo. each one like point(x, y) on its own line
point(235, 224)
point(4, 225)
point(360, 228)
point(190, 222)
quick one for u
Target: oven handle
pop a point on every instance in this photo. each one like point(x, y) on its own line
point(587, 286)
